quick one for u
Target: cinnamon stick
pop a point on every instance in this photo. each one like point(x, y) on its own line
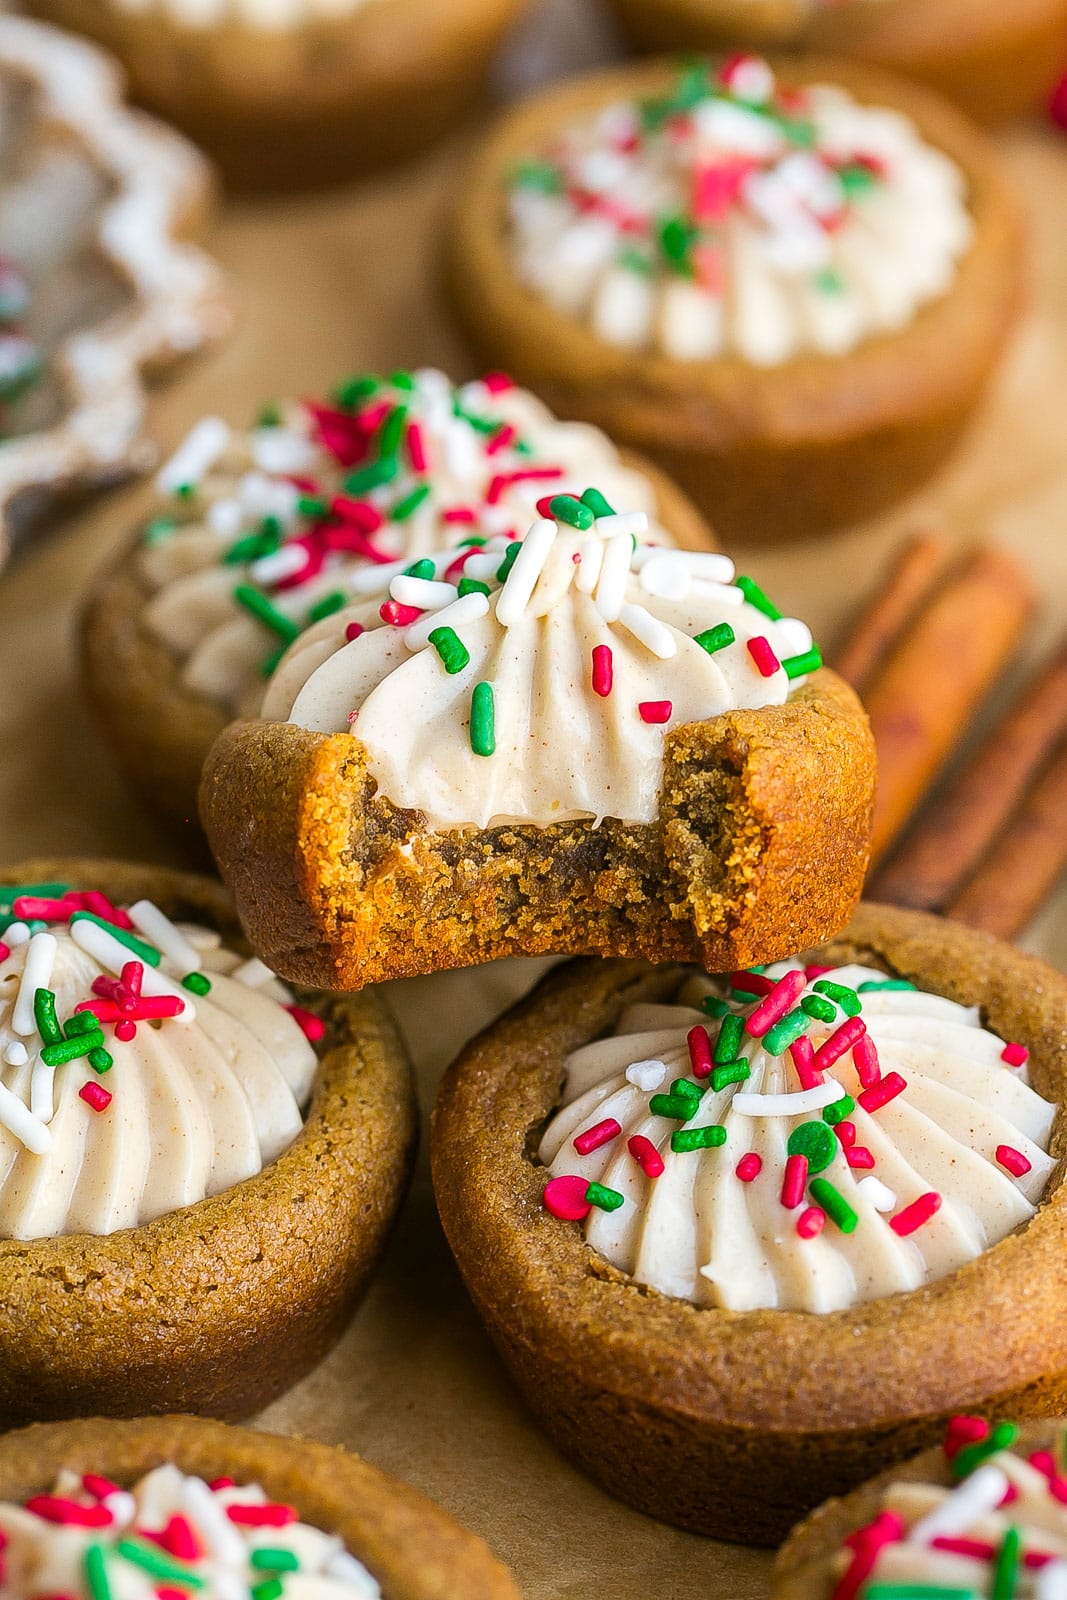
point(937, 675)
point(1024, 863)
point(952, 838)
point(908, 583)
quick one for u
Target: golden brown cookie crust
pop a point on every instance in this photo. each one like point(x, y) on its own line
point(760, 847)
point(410, 1544)
point(221, 1306)
point(803, 1568)
point(160, 731)
point(770, 453)
point(727, 1423)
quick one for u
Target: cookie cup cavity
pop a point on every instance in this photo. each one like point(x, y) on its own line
point(727, 1423)
point(220, 1306)
point(760, 847)
point(771, 453)
point(413, 1547)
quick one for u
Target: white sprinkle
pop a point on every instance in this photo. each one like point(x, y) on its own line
point(17, 933)
point(159, 930)
point(793, 635)
point(632, 523)
point(484, 566)
point(723, 594)
point(112, 954)
point(527, 567)
point(468, 608)
point(225, 518)
point(18, 1120)
point(375, 577)
point(280, 451)
point(463, 450)
point(878, 1193)
point(667, 576)
point(209, 1517)
point(426, 593)
point(16, 1054)
point(42, 1099)
point(649, 631)
point(614, 572)
point(974, 1499)
point(280, 564)
point(498, 519)
point(261, 496)
point(122, 1505)
point(591, 551)
point(198, 453)
point(253, 974)
point(788, 1105)
point(1051, 1582)
point(36, 974)
point(647, 1075)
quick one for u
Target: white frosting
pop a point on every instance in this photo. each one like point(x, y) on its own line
point(701, 1233)
point(198, 1102)
point(810, 242)
point(268, 16)
point(564, 748)
point(242, 478)
point(198, 1531)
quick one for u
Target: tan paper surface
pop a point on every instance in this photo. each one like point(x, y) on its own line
point(347, 282)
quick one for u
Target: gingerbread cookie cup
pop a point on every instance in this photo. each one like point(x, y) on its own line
point(779, 450)
point(993, 60)
point(220, 1305)
point(320, 99)
point(734, 1422)
point(410, 1548)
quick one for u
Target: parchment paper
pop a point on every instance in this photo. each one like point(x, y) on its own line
point(347, 281)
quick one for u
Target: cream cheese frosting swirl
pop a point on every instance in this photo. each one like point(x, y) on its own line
point(869, 1140)
point(534, 681)
point(171, 1533)
point(143, 1065)
point(262, 533)
point(736, 218)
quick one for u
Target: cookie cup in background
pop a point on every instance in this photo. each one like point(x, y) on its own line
point(734, 1422)
point(221, 1305)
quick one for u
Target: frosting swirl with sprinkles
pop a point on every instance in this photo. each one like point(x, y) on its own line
point(809, 1139)
point(732, 216)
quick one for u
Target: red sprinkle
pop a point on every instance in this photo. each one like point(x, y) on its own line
point(459, 514)
point(94, 1484)
point(859, 1156)
point(392, 611)
point(165, 1592)
point(811, 1222)
point(699, 1051)
point(5, 950)
point(802, 1055)
point(794, 1181)
point(68, 1513)
point(846, 1134)
point(655, 710)
point(416, 447)
point(751, 982)
point(646, 1155)
point(603, 670)
point(1016, 1055)
point(265, 1516)
point(914, 1216)
point(1058, 104)
point(767, 663)
point(866, 1543)
point(749, 1167)
point(773, 1007)
point(504, 480)
point(498, 382)
point(222, 1483)
point(312, 1027)
point(811, 973)
point(96, 1097)
point(501, 439)
point(865, 1055)
point(880, 1093)
point(133, 976)
point(565, 1198)
point(593, 1138)
point(353, 630)
point(125, 1030)
point(962, 1431)
point(1013, 1160)
point(838, 1043)
point(178, 1539)
point(973, 1549)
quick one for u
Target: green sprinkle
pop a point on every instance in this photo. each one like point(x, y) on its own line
point(800, 666)
point(266, 1560)
point(676, 238)
point(101, 1060)
point(402, 379)
point(57, 1055)
point(472, 586)
point(159, 530)
point(185, 491)
point(270, 1589)
point(839, 1111)
point(606, 1199)
point(834, 1204)
point(728, 1043)
point(815, 1006)
point(745, 996)
point(256, 602)
point(483, 720)
point(196, 983)
point(475, 539)
point(143, 952)
point(814, 1141)
point(756, 597)
point(1007, 1566)
point(678, 1107)
point(372, 476)
point(540, 176)
point(686, 1090)
point(155, 1562)
point(841, 995)
point(510, 557)
point(899, 984)
point(352, 391)
point(44, 1014)
point(81, 1022)
point(712, 1006)
point(565, 508)
point(729, 1072)
point(250, 548)
point(421, 569)
point(312, 507)
point(479, 424)
point(32, 891)
point(778, 1039)
point(856, 179)
point(597, 504)
point(450, 647)
point(96, 1573)
point(410, 504)
point(633, 260)
point(328, 606)
point(392, 431)
point(916, 1591)
point(713, 1137)
point(269, 415)
point(829, 281)
point(714, 639)
point(1000, 1437)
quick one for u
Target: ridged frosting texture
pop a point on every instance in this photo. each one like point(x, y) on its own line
point(171, 1532)
point(127, 1089)
point(535, 681)
point(262, 532)
point(807, 1176)
point(732, 217)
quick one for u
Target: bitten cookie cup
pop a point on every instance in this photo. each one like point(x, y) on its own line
point(993, 60)
point(220, 1304)
point(733, 1422)
point(781, 444)
point(383, 1540)
point(316, 96)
